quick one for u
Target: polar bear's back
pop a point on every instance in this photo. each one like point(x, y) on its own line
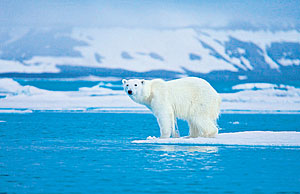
point(192, 85)
point(190, 82)
point(193, 95)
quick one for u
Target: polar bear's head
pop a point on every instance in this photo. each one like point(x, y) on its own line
point(134, 88)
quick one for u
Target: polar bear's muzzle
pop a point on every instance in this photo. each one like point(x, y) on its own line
point(129, 92)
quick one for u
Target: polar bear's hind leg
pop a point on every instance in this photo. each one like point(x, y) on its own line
point(203, 127)
point(193, 132)
point(175, 132)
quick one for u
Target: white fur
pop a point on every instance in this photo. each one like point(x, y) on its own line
point(192, 99)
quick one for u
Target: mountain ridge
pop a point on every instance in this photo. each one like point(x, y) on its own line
point(123, 52)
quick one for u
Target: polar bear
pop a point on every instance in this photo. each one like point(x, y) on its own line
point(191, 99)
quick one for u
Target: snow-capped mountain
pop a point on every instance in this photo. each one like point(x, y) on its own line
point(136, 52)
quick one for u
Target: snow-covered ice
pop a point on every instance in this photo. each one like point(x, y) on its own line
point(262, 97)
point(249, 138)
point(30, 97)
point(255, 97)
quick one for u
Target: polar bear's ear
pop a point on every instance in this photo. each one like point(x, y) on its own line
point(142, 81)
point(124, 81)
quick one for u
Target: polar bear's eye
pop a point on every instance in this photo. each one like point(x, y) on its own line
point(135, 84)
point(127, 85)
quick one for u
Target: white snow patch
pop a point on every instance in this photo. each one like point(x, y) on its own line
point(242, 77)
point(247, 63)
point(263, 39)
point(237, 61)
point(249, 138)
point(270, 61)
point(288, 62)
point(241, 50)
point(7, 66)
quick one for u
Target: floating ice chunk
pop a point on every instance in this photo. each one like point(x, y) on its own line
point(235, 123)
point(251, 86)
point(10, 87)
point(150, 137)
point(98, 90)
point(14, 111)
point(250, 138)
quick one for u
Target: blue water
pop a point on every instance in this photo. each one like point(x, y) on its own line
point(93, 153)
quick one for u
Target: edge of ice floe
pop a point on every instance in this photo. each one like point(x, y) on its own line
point(248, 138)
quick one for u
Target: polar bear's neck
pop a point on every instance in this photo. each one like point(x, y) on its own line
point(146, 96)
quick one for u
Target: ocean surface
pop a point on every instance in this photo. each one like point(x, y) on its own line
point(44, 152)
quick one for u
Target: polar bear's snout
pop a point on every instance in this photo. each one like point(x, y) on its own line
point(129, 92)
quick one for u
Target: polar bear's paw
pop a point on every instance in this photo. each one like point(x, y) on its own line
point(150, 137)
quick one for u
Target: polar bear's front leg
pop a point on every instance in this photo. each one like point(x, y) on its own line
point(165, 118)
point(165, 124)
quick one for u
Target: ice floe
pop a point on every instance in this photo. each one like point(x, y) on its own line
point(262, 97)
point(249, 138)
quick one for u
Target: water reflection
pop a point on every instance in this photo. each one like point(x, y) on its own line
point(177, 158)
point(176, 148)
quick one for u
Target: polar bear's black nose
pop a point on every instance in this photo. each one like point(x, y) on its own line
point(129, 92)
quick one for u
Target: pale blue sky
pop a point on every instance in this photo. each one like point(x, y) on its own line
point(155, 13)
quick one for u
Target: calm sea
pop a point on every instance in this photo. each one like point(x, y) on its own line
point(93, 153)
